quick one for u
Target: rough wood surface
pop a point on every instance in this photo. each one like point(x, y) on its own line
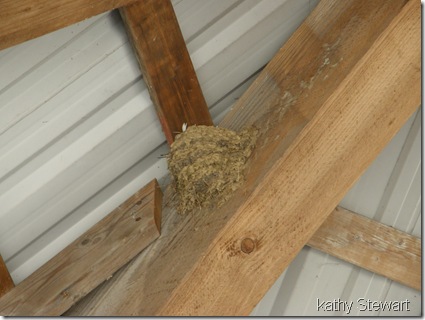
point(22, 20)
point(166, 66)
point(89, 260)
point(326, 104)
point(6, 282)
point(371, 245)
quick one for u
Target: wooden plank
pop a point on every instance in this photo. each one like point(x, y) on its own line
point(89, 260)
point(371, 245)
point(304, 186)
point(22, 20)
point(326, 105)
point(166, 66)
point(6, 282)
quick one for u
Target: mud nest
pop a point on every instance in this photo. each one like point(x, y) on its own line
point(208, 164)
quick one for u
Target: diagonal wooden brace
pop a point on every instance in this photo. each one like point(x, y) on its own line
point(90, 259)
point(166, 66)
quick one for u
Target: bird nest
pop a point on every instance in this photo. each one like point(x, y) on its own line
point(208, 164)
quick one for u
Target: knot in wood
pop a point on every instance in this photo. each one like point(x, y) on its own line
point(247, 245)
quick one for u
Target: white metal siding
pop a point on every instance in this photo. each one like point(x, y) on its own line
point(79, 135)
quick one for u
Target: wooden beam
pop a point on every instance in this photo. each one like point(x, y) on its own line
point(89, 260)
point(6, 282)
point(166, 66)
point(22, 20)
point(329, 232)
point(371, 245)
point(326, 105)
point(304, 186)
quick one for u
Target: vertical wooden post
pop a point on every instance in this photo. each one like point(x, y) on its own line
point(166, 66)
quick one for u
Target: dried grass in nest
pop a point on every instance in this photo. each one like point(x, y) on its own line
point(208, 164)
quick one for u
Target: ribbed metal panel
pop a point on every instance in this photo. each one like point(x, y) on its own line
point(79, 135)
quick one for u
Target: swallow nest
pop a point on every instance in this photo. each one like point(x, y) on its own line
point(208, 164)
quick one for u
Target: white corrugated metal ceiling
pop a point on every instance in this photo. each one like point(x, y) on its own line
point(79, 135)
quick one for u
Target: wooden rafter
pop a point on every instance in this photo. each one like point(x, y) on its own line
point(166, 66)
point(371, 245)
point(90, 259)
point(321, 238)
point(22, 20)
point(156, 20)
point(341, 105)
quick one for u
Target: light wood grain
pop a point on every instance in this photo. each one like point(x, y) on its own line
point(166, 66)
point(371, 245)
point(6, 282)
point(326, 105)
point(304, 186)
point(22, 20)
point(89, 260)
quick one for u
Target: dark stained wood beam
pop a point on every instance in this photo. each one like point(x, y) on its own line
point(22, 20)
point(6, 282)
point(155, 34)
point(90, 259)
